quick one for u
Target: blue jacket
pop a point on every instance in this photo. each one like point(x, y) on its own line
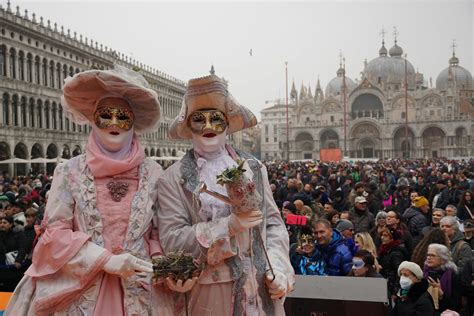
point(304, 265)
point(336, 255)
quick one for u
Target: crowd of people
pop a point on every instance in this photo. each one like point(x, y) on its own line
point(408, 221)
point(22, 203)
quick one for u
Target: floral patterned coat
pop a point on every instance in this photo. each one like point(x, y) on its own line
point(68, 282)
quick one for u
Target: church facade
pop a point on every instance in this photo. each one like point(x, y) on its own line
point(384, 116)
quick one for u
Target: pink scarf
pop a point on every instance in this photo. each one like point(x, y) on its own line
point(102, 165)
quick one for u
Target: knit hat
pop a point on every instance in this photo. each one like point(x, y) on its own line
point(420, 201)
point(413, 267)
point(344, 224)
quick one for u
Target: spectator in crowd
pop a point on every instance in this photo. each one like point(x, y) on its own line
point(334, 252)
point(441, 273)
point(435, 236)
point(436, 215)
point(358, 190)
point(421, 187)
point(394, 222)
point(469, 232)
point(305, 258)
point(416, 218)
point(380, 223)
point(364, 241)
point(12, 254)
point(339, 202)
point(441, 199)
point(363, 265)
point(466, 206)
point(413, 298)
point(391, 254)
point(29, 232)
point(403, 197)
point(359, 215)
point(346, 228)
point(452, 210)
point(332, 216)
point(460, 250)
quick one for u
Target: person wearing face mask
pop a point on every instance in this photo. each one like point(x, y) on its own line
point(237, 279)
point(413, 298)
point(99, 233)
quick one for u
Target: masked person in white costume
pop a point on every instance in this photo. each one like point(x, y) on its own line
point(236, 279)
point(99, 232)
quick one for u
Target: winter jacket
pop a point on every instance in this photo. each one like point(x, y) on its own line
point(460, 250)
point(336, 255)
point(417, 302)
point(443, 199)
point(416, 221)
point(307, 265)
point(363, 221)
point(10, 241)
point(390, 260)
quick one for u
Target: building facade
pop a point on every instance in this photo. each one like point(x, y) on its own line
point(390, 112)
point(35, 58)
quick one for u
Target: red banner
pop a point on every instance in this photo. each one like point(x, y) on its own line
point(330, 154)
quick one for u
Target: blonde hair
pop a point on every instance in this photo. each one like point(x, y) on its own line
point(366, 242)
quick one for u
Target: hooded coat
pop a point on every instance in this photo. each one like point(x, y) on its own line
point(336, 255)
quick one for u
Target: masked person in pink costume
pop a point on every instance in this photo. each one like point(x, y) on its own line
point(236, 279)
point(98, 236)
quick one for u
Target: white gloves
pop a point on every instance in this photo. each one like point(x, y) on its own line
point(179, 286)
point(242, 221)
point(279, 286)
point(125, 265)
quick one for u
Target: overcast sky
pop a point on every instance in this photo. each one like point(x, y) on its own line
point(183, 39)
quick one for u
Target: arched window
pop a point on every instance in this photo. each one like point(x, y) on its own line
point(3, 64)
point(37, 69)
point(58, 75)
point(71, 71)
point(51, 74)
point(46, 114)
point(24, 114)
point(32, 112)
point(21, 65)
point(67, 124)
point(45, 72)
point(29, 68)
point(73, 126)
point(6, 109)
point(13, 63)
point(15, 108)
point(65, 74)
point(53, 114)
point(60, 117)
point(39, 111)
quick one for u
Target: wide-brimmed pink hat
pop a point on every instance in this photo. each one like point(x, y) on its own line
point(84, 90)
point(210, 92)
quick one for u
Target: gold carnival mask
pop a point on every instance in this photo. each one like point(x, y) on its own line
point(207, 119)
point(108, 116)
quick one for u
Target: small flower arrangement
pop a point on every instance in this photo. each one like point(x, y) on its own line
point(232, 174)
point(240, 190)
point(177, 266)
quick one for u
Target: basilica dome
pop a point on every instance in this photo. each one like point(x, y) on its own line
point(461, 76)
point(389, 69)
point(335, 86)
